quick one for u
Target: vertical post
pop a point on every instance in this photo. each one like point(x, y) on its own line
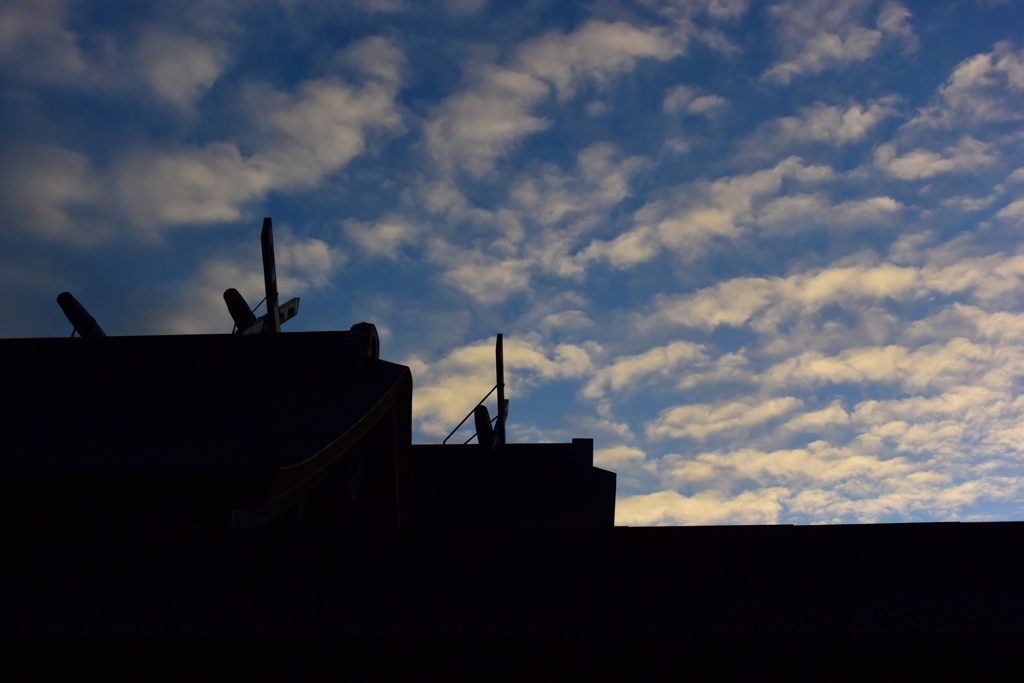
point(499, 427)
point(273, 320)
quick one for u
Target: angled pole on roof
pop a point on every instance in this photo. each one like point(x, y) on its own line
point(84, 324)
point(273, 321)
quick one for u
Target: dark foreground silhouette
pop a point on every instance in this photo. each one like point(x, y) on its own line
point(168, 493)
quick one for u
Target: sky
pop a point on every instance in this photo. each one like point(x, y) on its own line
point(766, 254)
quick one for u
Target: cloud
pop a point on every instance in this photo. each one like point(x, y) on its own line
point(626, 373)
point(983, 88)
point(552, 207)
point(819, 122)
point(706, 104)
point(690, 219)
point(52, 191)
point(618, 457)
point(625, 251)
point(179, 68)
point(675, 146)
point(36, 45)
point(1013, 210)
point(794, 213)
point(205, 185)
point(932, 366)
point(472, 129)
point(595, 52)
point(39, 45)
point(820, 482)
point(702, 421)
point(383, 237)
point(818, 420)
point(819, 34)
point(670, 508)
point(485, 278)
point(683, 11)
point(565, 320)
point(967, 155)
point(768, 302)
point(302, 137)
point(680, 99)
point(299, 138)
point(727, 368)
point(602, 180)
point(894, 20)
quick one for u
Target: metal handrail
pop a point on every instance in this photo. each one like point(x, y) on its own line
point(475, 433)
point(470, 413)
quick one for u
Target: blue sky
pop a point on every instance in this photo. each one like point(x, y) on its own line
point(766, 254)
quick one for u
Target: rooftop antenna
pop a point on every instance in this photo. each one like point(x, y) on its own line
point(273, 323)
point(245, 320)
point(499, 367)
point(84, 324)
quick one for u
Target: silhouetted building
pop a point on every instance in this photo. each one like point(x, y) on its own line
point(257, 427)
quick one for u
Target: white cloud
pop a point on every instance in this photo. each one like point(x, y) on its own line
point(626, 373)
point(383, 237)
point(683, 11)
point(729, 368)
point(967, 155)
point(670, 508)
point(178, 68)
point(38, 44)
point(966, 204)
point(1013, 210)
point(932, 366)
point(602, 180)
point(563, 205)
point(676, 99)
point(626, 250)
point(706, 104)
point(675, 146)
point(820, 122)
point(596, 52)
point(474, 128)
point(35, 43)
point(45, 187)
point(821, 34)
point(302, 137)
point(565, 320)
point(485, 278)
point(205, 185)
point(690, 226)
point(701, 421)
point(793, 213)
point(894, 19)
point(681, 98)
point(768, 302)
point(494, 112)
point(690, 219)
point(982, 88)
point(618, 457)
point(818, 420)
